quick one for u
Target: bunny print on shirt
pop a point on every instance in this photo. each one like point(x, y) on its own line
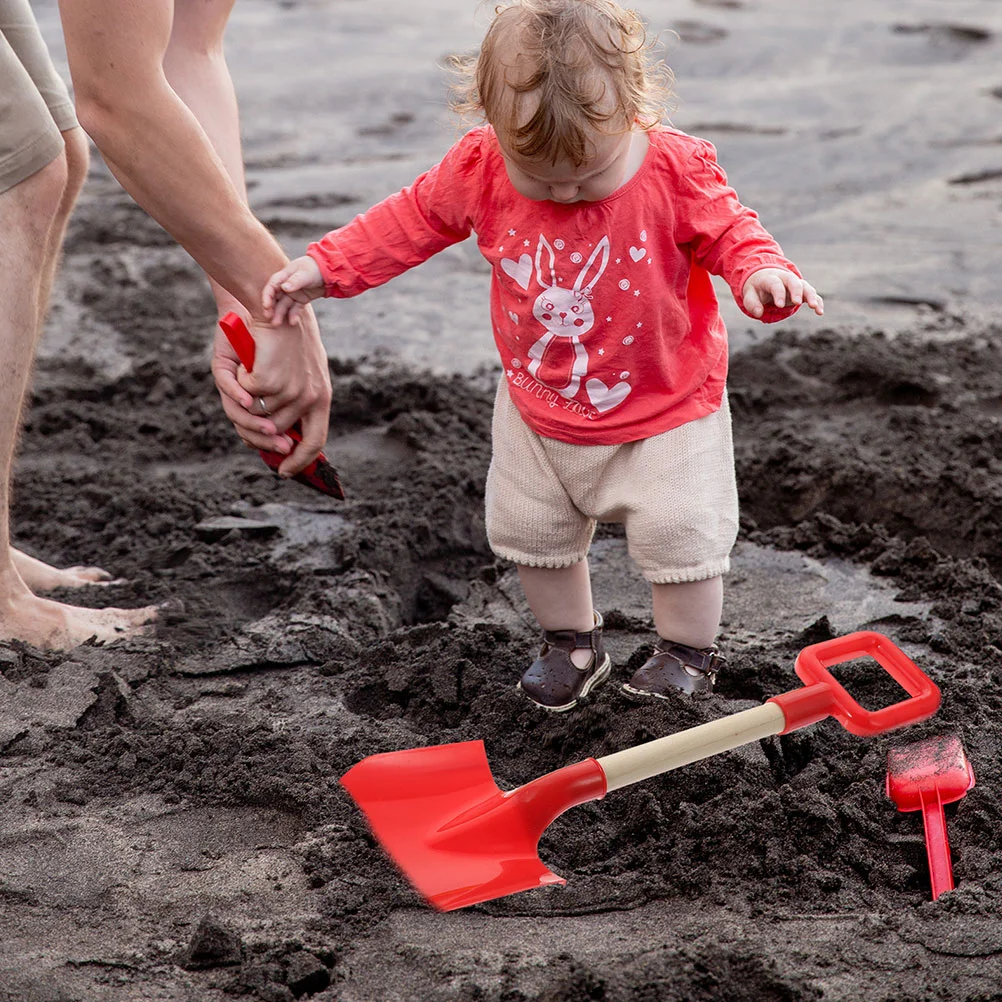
point(567, 315)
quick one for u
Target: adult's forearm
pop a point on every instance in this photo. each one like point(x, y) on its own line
point(195, 67)
point(163, 158)
point(154, 144)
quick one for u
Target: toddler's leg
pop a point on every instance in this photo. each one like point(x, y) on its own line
point(687, 617)
point(572, 659)
point(560, 599)
point(688, 613)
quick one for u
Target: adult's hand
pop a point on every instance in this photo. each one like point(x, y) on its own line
point(291, 376)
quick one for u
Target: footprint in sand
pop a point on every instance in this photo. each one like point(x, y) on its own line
point(287, 223)
point(325, 200)
point(698, 31)
point(918, 302)
point(946, 41)
point(277, 160)
point(299, 228)
point(736, 128)
point(279, 219)
point(978, 176)
point(388, 128)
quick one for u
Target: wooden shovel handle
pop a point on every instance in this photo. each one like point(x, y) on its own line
point(631, 765)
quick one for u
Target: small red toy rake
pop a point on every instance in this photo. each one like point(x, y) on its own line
point(923, 776)
point(460, 840)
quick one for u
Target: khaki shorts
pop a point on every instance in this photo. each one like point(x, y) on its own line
point(35, 105)
point(675, 493)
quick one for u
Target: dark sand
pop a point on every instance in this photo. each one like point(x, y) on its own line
point(171, 827)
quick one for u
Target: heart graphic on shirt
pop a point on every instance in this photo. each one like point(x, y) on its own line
point(514, 316)
point(637, 253)
point(604, 398)
point(520, 270)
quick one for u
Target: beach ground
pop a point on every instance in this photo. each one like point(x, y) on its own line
point(172, 827)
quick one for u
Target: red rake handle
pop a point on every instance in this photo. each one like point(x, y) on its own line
point(937, 845)
point(319, 475)
point(240, 338)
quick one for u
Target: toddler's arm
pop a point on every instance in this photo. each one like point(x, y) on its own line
point(728, 239)
point(778, 287)
point(288, 290)
point(398, 233)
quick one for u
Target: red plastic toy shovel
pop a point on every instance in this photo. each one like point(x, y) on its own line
point(924, 776)
point(319, 475)
point(460, 840)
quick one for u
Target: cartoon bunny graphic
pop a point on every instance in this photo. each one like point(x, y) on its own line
point(567, 315)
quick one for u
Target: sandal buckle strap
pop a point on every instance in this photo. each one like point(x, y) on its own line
point(708, 660)
point(568, 640)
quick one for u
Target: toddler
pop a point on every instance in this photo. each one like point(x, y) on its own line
point(602, 226)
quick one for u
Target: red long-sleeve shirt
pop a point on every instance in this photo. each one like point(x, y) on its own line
point(603, 312)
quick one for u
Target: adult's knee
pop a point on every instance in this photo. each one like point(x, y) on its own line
point(29, 209)
point(77, 160)
point(52, 182)
point(51, 179)
point(36, 200)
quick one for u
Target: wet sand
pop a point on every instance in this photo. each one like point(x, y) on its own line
point(171, 825)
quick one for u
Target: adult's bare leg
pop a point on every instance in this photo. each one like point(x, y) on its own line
point(28, 213)
point(37, 574)
point(77, 163)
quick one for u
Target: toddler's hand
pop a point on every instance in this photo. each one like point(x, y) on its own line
point(290, 289)
point(778, 287)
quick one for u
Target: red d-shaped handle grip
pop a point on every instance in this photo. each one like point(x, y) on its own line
point(823, 696)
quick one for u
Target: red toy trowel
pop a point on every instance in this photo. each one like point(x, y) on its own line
point(924, 776)
point(319, 475)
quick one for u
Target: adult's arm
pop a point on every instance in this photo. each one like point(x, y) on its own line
point(155, 146)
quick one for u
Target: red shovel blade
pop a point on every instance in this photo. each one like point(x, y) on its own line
point(923, 776)
point(454, 834)
point(319, 475)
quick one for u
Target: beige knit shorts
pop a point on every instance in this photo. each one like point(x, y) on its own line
point(675, 493)
point(35, 105)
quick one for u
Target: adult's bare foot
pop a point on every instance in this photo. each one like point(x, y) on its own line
point(54, 625)
point(40, 576)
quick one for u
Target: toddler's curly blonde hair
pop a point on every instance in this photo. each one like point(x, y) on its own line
point(551, 72)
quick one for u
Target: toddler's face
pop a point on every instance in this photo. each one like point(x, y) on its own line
point(564, 182)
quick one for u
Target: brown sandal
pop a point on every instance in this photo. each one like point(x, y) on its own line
point(673, 668)
point(553, 681)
